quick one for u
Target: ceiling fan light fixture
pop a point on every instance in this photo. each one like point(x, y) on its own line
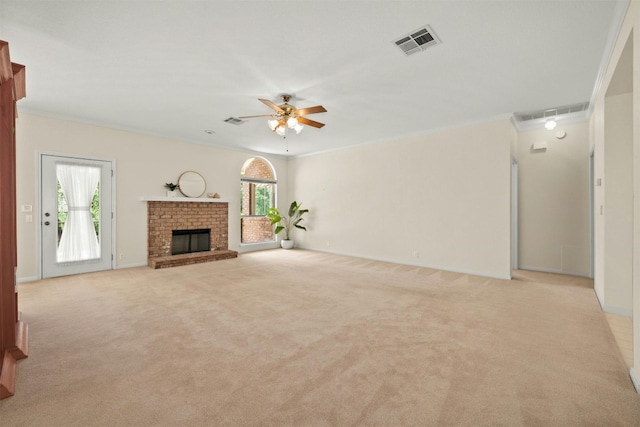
point(287, 116)
point(292, 122)
point(273, 123)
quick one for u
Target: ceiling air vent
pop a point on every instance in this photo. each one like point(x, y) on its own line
point(417, 41)
point(234, 121)
point(568, 114)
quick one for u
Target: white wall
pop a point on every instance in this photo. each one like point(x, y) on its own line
point(143, 165)
point(597, 146)
point(439, 200)
point(618, 204)
point(630, 30)
point(553, 201)
point(634, 16)
point(612, 137)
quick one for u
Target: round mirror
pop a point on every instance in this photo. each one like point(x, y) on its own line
point(192, 184)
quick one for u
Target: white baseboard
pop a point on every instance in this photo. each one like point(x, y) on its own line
point(553, 270)
point(134, 265)
point(118, 267)
point(599, 297)
point(609, 309)
point(616, 310)
point(253, 247)
point(635, 379)
point(402, 262)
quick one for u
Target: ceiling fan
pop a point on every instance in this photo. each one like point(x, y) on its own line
point(288, 116)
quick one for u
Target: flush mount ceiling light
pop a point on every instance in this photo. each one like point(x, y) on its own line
point(550, 124)
point(288, 117)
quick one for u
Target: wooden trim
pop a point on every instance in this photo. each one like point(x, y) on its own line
point(6, 73)
point(8, 313)
point(19, 81)
point(21, 350)
point(9, 361)
point(15, 73)
point(7, 376)
point(13, 332)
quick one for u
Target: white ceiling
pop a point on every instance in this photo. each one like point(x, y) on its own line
point(178, 68)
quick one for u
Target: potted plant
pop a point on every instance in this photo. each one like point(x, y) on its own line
point(287, 223)
point(172, 189)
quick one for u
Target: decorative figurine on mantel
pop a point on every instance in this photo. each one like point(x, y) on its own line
point(213, 195)
point(171, 192)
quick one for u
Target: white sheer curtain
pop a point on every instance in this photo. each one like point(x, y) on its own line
point(79, 240)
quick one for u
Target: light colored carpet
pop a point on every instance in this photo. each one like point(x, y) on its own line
point(303, 338)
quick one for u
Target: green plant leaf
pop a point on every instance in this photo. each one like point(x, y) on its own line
point(286, 223)
point(293, 208)
point(275, 218)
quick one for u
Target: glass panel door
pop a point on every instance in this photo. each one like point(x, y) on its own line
point(76, 217)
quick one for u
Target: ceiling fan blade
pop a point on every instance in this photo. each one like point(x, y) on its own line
point(311, 110)
point(308, 122)
point(271, 105)
point(251, 117)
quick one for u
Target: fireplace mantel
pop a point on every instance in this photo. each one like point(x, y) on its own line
point(182, 199)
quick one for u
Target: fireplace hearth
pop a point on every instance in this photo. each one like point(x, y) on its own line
point(187, 221)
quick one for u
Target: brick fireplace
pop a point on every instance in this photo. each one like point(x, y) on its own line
point(166, 216)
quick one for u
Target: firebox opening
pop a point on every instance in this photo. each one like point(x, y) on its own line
point(187, 241)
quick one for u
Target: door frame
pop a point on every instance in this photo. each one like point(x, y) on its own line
point(514, 214)
point(592, 207)
point(38, 211)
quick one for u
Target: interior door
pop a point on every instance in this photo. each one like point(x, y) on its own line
point(76, 217)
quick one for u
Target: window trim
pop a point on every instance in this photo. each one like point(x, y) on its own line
point(258, 180)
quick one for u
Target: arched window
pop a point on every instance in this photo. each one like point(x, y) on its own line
point(258, 192)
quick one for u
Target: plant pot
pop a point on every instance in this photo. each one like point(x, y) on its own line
point(286, 244)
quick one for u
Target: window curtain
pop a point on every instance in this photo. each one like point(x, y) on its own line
point(79, 240)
